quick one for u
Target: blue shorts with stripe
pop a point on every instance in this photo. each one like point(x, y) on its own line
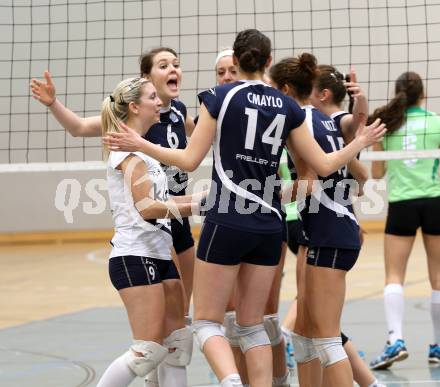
point(333, 258)
point(229, 246)
point(131, 270)
point(182, 237)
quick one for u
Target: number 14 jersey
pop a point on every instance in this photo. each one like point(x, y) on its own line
point(253, 122)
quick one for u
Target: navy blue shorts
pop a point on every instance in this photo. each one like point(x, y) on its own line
point(227, 246)
point(182, 237)
point(406, 216)
point(342, 259)
point(131, 270)
point(294, 229)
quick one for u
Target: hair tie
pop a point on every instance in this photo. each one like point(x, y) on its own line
point(111, 98)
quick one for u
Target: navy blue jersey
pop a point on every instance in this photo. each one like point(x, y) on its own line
point(253, 122)
point(337, 117)
point(170, 133)
point(327, 215)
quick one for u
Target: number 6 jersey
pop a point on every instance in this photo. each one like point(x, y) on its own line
point(253, 122)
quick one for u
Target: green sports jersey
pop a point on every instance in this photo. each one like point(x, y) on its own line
point(416, 178)
point(291, 211)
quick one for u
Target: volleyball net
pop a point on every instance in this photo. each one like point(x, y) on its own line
point(89, 46)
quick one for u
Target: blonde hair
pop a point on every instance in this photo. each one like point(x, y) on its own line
point(115, 106)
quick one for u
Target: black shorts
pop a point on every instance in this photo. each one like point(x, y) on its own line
point(344, 338)
point(342, 259)
point(406, 216)
point(227, 246)
point(294, 228)
point(182, 237)
point(285, 234)
point(131, 270)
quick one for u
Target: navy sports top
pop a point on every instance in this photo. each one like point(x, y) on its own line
point(253, 122)
point(327, 214)
point(170, 133)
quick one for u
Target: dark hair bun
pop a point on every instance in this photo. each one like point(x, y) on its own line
point(251, 60)
point(308, 64)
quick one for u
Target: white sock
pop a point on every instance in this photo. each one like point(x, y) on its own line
point(172, 375)
point(281, 381)
point(394, 307)
point(152, 380)
point(376, 384)
point(286, 332)
point(117, 374)
point(232, 380)
point(435, 314)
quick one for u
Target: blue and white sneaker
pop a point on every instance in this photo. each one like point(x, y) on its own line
point(290, 357)
point(434, 353)
point(391, 353)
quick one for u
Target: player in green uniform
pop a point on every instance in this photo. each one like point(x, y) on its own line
point(414, 201)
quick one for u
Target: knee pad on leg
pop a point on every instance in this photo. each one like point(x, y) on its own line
point(204, 329)
point(304, 349)
point(230, 331)
point(273, 329)
point(152, 355)
point(182, 341)
point(330, 350)
point(250, 337)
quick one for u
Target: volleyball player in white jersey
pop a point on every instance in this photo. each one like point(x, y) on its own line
point(140, 264)
point(248, 123)
point(162, 67)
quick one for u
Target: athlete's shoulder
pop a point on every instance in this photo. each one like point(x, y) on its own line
point(178, 105)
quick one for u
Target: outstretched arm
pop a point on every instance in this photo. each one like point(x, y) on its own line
point(187, 159)
point(350, 123)
point(77, 126)
point(302, 143)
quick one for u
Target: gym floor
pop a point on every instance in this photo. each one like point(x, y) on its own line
point(61, 321)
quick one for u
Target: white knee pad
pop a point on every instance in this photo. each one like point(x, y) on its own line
point(230, 331)
point(182, 341)
point(273, 329)
point(304, 349)
point(152, 355)
point(330, 350)
point(250, 337)
point(204, 329)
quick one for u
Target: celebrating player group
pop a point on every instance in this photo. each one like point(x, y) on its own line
point(258, 112)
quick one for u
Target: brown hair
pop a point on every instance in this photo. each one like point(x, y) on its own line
point(146, 59)
point(296, 72)
point(252, 49)
point(331, 79)
point(408, 91)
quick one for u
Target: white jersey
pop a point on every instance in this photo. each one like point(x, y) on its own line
point(134, 235)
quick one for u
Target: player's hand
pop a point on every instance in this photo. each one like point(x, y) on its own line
point(44, 91)
point(353, 86)
point(127, 140)
point(371, 134)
